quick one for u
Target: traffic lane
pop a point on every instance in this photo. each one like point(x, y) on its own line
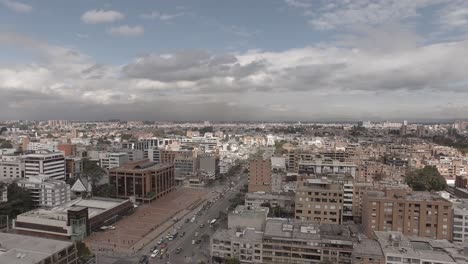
point(186, 243)
point(190, 228)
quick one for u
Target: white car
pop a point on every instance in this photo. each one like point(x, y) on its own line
point(153, 255)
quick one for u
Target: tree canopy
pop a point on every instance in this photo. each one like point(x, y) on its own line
point(19, 201)
point(426, 179)
point(92, 172)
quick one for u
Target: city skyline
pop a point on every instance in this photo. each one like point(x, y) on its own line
point(266, 60)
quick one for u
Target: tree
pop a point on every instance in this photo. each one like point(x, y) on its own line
point(426, 179)
point(19, 201)
point(92, 172)
point(126, 136)
point(233, 261)
point(105, 190)
point(84, 254)
point(5, 144)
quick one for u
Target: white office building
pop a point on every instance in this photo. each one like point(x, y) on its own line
point(48, 164)
point(11, 167)
point(113, 160)
point(46, 192)
point(460, 221)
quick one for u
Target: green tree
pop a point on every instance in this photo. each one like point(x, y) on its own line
point(92, 172)
point(426, 179)
point(5, 144)
point(105, 190)
point(126, 136)
point(233, 261)
point(19, 201)
point(84, 254)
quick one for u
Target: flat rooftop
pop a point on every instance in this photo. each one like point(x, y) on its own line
point(31, 249)
point(95, 206)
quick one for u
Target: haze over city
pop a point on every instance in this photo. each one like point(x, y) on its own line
point(233, 60)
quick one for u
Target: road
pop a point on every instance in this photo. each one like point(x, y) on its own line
point(194, 253)
point(190, 253)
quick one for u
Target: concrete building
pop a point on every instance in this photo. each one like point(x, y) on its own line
point(284, 200)
point(319, 201)
point(74, 220)
point(415, 213)
point(294, 242)
point(278, 164)
point(113, 160)
point(49, 146)
point(49, 164)
point(260, 176)
point(242, 244)
point(47, 192)
point(73, 167)
point(248, 217)
point(144, 180)
point(134, 154)
point(398, 249)
point(184, 167)
point(11, 167)
point(154, 154)
point(326, 166)
point(210, 165)
point(18, 249)
point(460, 221)
point(67, 149)
point(367, 251)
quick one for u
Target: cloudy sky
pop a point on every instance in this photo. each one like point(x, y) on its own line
point(234, 60)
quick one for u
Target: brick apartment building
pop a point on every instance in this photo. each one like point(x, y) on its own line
point(145, 180)
point(260, 176)
point(412, 213)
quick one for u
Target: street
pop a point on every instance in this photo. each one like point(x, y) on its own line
point(190, 253)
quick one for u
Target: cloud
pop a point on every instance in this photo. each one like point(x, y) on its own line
point(101, 16)
point(82, 36)
point(189, 66)
point(160, 16)
point(343, 80)
point(345, 14)
point(454, 16)
point(299, 3)
point(17, 6)
point(127, 31)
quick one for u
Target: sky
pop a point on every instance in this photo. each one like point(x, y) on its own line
point(242, 60)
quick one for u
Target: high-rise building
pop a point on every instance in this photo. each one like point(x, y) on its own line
point(67, 149)
point(145, 180)
point(47, 192)
point(321, 200)
point(413, 213)
point(260, 176)
point(11, 167)
point(113, 160)
point(48, 164)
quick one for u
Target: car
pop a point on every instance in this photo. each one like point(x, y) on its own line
point(156, 252)
point(179, 227)
point(196, 234)
point(193, 242)
point(163, 246)
point(153, 249)
point(160, 242)
point(187, 220)
point(170, 238)
point(178, 250)
point(111, 227)
point(182, 234)
point(202, 225)
point(153, 255)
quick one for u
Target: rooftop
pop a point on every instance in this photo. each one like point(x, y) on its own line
point(95, 206)
point(367, 247)
point(18, 249)
point(140, 165)
point(396, 244)
point(285, 228)
point(246, 235)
